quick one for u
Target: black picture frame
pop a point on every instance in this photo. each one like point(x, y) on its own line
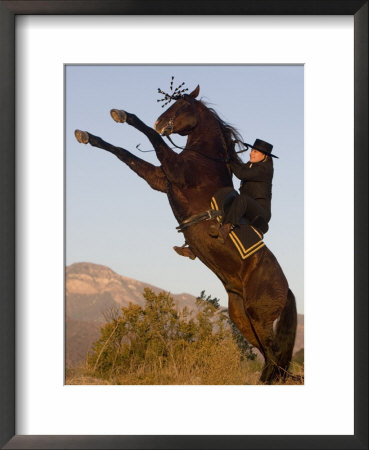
point(8, 12)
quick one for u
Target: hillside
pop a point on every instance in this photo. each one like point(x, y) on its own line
point(94, 291)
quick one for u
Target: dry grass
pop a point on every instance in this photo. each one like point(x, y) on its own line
point(233, 372)
point(85, 380)
point(154, 345)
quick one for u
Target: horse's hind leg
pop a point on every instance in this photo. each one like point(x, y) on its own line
point(285, 334)
point(264, 332)
point(279, 344)
point(256, 332)
point(271, 372)
point(238, 316)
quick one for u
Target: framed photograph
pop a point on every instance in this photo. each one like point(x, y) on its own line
point(54, 53)
point(145, 220)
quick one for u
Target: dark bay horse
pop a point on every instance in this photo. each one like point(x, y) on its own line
point(260, 302)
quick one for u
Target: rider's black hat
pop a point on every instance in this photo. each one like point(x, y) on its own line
point(262, 146)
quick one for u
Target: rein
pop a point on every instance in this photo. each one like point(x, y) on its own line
point(170, 125)
point(200, 153)
point(147, 151)
point(223, 160)
point(187, 148)
point(176, 146)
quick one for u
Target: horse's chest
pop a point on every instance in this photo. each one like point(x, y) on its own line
point(189, 200)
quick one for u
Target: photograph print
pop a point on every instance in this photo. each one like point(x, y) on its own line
point(184, 224)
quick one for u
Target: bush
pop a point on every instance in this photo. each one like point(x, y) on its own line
point(245, 348)
point(156, 344)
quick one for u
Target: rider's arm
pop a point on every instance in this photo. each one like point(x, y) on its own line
point(252, 172)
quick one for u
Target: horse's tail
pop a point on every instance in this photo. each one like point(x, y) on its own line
point(286, 333)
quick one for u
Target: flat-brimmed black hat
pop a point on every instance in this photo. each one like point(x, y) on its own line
point(262, 146)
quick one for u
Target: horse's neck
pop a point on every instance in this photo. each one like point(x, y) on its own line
point(208, 142)
point(207, 136)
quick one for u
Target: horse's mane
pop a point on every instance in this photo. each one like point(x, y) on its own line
point(230, 133)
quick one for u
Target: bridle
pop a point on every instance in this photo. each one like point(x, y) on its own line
point(170, 126)
point(179, 95)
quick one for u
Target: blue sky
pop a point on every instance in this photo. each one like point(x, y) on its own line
point(114, 218)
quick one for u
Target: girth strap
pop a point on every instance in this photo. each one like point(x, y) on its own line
point(193, 220)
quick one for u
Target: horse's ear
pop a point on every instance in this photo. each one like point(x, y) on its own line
point(195, 93)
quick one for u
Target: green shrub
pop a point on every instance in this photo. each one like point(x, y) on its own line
point(245, 348)
point(156, 344)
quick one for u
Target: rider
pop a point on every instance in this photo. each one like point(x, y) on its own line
point(254, 201)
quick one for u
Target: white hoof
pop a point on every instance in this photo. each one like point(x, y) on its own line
point(81, 136)
point(119, 115)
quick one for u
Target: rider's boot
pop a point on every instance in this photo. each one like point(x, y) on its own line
point(224, 231)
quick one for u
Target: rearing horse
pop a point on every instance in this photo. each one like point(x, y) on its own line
point(258, 291)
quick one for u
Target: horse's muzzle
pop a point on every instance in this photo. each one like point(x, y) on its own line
point(164, 130)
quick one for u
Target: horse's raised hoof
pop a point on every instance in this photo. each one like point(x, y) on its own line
point(82, 136)
point(119, 115)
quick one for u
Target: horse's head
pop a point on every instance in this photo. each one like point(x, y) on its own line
point(181, 117)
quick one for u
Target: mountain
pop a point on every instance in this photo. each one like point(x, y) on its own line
point(95, 292)
point(92, 290)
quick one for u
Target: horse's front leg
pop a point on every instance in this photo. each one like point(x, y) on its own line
point(153, 175)
point(165, 154)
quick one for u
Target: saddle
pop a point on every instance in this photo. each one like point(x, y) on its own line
point(248, 238)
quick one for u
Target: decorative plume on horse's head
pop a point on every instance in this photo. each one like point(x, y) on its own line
point(174, 95)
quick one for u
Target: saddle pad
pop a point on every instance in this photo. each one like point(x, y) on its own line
point(245, 238)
